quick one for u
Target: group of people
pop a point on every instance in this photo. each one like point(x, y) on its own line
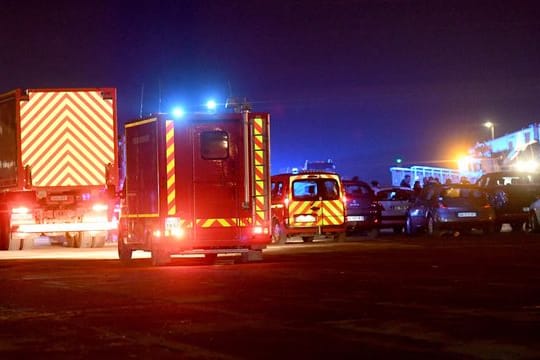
point(417, 186)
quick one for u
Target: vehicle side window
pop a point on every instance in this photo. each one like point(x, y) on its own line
point(277, 190)
point(214, 145)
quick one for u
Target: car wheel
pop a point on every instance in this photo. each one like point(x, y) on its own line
point(498, 227)
point(433, 227)
point(533, 222)
point(398, 229)
point(308, 239)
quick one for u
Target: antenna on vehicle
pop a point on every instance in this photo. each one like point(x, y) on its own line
point(159, 96)
point(142, 99)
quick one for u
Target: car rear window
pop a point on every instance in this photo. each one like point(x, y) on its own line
point(455, 193)
point(314, 189)
point(394, 195)
point(358, 190)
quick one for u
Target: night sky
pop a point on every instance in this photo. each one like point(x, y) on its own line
point(360, 82)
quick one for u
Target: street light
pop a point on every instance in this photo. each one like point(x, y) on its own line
point(491, 126)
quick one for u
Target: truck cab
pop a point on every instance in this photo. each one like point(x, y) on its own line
point(307, 204)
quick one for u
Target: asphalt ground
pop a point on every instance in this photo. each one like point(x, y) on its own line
point(465, 297)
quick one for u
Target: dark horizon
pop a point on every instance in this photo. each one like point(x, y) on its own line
point(360, 82)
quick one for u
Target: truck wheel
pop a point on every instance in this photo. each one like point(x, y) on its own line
point(124, 251)
point(308, 239)
point(278, 234)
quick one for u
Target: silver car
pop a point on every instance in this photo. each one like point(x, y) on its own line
point(394, 203)
point(450, 208)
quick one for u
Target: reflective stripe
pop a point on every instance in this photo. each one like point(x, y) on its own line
point(171, 177)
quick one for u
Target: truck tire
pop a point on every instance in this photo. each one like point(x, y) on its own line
point(124, 251)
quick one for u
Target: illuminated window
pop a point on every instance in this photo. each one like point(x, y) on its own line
point(214, 145)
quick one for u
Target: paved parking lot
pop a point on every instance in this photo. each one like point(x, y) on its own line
point(393, 297)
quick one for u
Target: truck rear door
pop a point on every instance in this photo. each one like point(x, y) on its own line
point(217, 181)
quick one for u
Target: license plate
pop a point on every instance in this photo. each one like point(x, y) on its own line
point(355, 218)
point(467, 214)
point(526, 209)
point(58, 198)
point(305, 218)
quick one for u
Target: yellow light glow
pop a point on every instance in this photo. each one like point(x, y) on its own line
point(464, 163)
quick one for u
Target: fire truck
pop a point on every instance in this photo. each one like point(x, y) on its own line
point(196, 185)
point(58, 166)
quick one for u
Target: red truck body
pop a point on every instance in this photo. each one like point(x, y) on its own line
point(196, 185)
point(58, 166)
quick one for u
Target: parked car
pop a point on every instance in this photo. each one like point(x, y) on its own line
point(363, 212)
point(394, 203)
point(511, 193)
point(450, 208)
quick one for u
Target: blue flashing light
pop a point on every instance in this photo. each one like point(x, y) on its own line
point(178, 112)
point(211, 105)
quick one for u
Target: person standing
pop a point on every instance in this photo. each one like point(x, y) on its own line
point(406, 182)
